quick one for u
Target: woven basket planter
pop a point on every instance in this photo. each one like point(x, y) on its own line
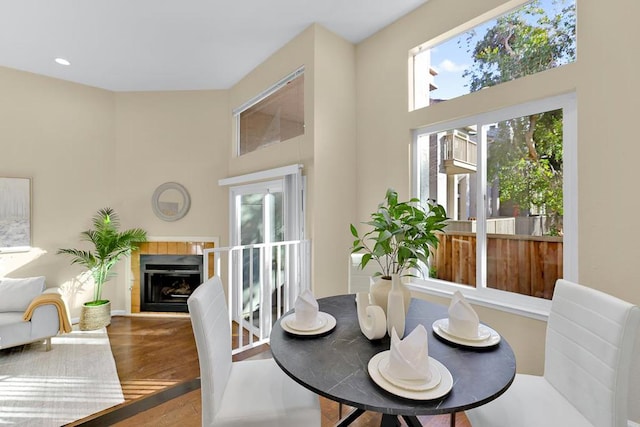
point(95, 317)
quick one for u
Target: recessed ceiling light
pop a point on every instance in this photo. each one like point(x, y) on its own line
point(62, 61)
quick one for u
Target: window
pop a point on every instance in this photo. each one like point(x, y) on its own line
point(507, 181)
point(274, 116)
point(533, 38)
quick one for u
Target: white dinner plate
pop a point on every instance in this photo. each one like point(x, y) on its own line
point(484, 331)
point(413, 385)
point(320, 322)
point(441, 389)
point(329, 324)
point(491, 340)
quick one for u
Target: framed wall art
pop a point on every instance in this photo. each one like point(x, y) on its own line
point(15, 214)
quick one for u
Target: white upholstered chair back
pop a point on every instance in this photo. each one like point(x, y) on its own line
point(212, 330)
point(589, 346)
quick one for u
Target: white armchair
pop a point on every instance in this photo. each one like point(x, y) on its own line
point(247, 393)
point(589, 346)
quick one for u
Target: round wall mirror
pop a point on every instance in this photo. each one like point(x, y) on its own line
point(170, 201)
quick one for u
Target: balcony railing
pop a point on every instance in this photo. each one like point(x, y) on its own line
point(262, 283)
point(460, 153)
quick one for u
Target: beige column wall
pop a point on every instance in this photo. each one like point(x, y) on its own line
point(334, 161)
point(326, 150)
point(608, 91)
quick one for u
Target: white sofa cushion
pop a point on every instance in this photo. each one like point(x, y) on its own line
point(18, 293)
point(13, 330)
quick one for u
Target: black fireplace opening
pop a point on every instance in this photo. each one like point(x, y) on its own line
point(167, 281)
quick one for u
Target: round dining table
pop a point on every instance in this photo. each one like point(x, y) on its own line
point(334, 364)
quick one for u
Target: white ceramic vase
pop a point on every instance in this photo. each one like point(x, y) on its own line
point(396, 313)
point(379, 292)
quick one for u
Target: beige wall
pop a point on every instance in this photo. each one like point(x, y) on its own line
point(334, 202)
point(171, 136)
point(608, 91)
point(604, 79)
point(61, 136)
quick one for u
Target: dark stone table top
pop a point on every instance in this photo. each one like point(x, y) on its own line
point(335, 365)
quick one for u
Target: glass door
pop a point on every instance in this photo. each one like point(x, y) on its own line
point(257, 217)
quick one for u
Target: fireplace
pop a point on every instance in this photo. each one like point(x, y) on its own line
point(168, 280)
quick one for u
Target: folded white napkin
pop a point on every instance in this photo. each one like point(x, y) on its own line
point(463, 319)
point(306, 309)
point(409, 357)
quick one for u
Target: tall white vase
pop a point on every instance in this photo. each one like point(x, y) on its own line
point(396, 313)
point(379, 292)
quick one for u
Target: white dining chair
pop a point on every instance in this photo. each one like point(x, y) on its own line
point(588, 355)
point(247, 393)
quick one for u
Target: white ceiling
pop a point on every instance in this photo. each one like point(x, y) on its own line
point(153, 45)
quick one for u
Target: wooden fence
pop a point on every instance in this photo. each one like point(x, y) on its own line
point(528, 265)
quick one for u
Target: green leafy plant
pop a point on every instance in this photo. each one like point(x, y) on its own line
point(109, 246)
point(403, 234)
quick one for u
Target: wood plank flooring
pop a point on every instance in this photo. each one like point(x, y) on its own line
point(157, 363)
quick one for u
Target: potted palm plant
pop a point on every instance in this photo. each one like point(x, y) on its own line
point(109, 246)
point(400, 240)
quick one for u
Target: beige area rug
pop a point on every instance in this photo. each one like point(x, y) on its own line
point(75, 379)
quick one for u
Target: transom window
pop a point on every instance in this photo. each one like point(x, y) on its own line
point(275, 115)
point(532, 38)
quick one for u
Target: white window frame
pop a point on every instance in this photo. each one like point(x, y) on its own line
point(482, 295)
point(504, 9)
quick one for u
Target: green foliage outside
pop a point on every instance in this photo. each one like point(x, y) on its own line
point(521, 43)
point(109, 246)
point(525, 155)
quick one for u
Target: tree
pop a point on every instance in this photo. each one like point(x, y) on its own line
point(525, 180)
point(525, 155)
point(520, 43)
